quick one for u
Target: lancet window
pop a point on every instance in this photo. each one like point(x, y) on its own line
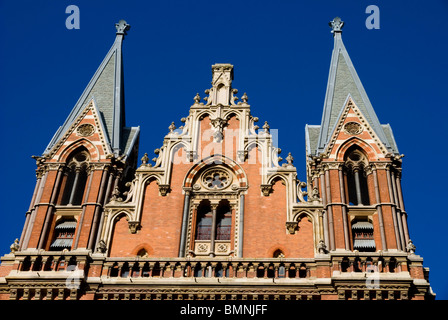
point(76, 178)
point(356, 178)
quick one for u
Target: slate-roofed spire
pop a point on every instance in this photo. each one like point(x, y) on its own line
point(106, 88)
point(343, 81)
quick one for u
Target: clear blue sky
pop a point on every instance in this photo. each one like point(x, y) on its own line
point(281, 52)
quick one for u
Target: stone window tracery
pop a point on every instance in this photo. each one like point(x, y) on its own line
point(216, 178)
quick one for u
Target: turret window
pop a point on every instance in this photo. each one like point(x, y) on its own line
point(63, 235)
point(76, 178)
point(363, 240)
point(356, 179)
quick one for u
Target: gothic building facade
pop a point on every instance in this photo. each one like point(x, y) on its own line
point(217, 214)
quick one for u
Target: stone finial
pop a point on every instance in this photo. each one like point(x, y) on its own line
point(290, 159)
point(101, 248)
point(321, 247)
point(172, 127)
point(197, 99)
point(266, 127)
point(410, 247)
point(336, 25)
point(122, 27)
point(145, 159)
point(15, 246)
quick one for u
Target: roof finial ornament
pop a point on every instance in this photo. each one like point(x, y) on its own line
point(336, 25)
point(122, 27)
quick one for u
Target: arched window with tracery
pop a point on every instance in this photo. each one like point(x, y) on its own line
point(76, 177)
point(213, 228)
point(356, 178)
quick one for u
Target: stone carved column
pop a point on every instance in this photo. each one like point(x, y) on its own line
point(241, 227)
point(358, 186)
point(324, 212)
point(75, 185)
point(184, 223)
point(213, 232)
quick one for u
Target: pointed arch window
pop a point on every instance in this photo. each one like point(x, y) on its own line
point(76, 178)
point(356, 178)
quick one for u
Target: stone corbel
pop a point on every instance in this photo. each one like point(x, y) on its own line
point(242, 155)
point(266, 189)
point(292, 226)
point(134, 226)
point(163, 189)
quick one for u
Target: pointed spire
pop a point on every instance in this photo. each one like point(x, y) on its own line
point(343, 81)
point(106, 88)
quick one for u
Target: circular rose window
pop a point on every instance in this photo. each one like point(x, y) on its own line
point(353, 128)
point(216, 178)
point(85, 130)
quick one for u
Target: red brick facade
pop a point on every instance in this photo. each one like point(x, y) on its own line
point(111, 218)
